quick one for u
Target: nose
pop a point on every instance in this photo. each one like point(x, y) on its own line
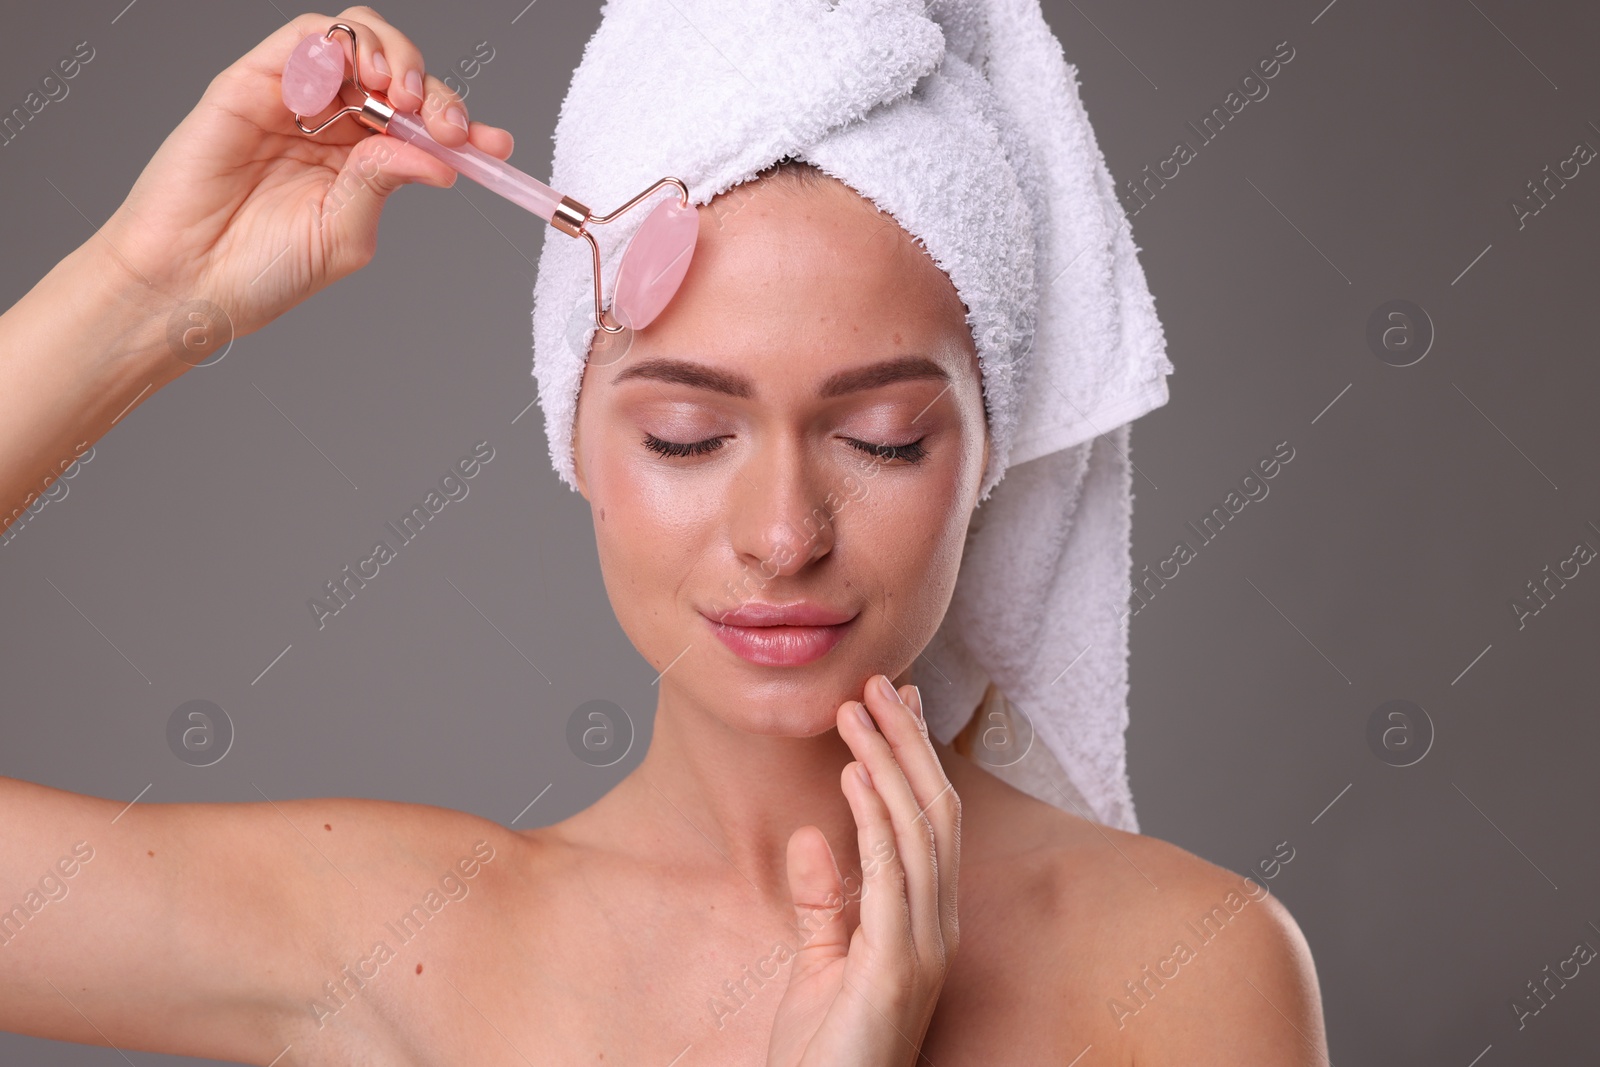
point(781, 510)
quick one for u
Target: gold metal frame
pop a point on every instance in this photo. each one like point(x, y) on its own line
point(570, 209)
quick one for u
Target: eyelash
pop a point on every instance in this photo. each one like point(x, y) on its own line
point(911, 453)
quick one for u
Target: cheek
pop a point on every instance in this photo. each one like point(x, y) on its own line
point(637, 536)
point(650, 541)
point(641, 568)
point(647, 510)
point(909, 532)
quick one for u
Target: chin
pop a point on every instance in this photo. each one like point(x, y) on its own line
point(786, 703)
point(786, 722)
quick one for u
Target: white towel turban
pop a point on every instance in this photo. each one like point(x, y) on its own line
point(962, 120)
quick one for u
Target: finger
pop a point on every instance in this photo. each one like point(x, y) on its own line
point(406, 82)
point(444, 113)
point(946, 810)
point(906, 732)
point(414, 89)
point(390, 61)
point(914, 840)
point(391, 64)
point(492, 139)
point(371, 59)
point(818, 895)
point(886, 919)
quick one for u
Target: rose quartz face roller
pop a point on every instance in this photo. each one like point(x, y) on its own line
point(656, 257)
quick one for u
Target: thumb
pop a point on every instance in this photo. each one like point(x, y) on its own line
point(375, 167)
point(818, 895)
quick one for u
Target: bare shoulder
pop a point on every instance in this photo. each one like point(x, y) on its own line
point(1163, 956)
point(1224, 974)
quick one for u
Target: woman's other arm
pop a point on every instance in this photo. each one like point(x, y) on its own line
point(212, 930)
point(160, 927)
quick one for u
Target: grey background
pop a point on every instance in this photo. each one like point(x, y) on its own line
point(1381, 566)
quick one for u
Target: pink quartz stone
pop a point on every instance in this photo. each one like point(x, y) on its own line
point(312, 74)
point(654, 263)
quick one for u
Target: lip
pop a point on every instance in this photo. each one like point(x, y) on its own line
point(798, 613)
point(786, 635)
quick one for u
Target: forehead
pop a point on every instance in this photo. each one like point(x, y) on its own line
point(813, 269)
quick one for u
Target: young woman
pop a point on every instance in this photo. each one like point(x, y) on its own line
point(795, 873)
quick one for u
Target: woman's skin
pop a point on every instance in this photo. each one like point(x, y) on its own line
point(672, 921)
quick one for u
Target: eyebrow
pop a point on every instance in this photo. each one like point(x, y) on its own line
point(732, 383)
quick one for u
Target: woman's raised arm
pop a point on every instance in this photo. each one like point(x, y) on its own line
point(236, 218)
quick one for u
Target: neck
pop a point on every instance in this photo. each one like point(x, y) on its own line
point(708, 789)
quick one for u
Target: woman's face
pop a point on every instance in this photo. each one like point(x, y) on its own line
point(803, 424)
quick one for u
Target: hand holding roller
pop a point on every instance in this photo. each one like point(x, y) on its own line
point(653, 263)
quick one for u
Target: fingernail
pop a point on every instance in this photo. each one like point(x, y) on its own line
point(455, 116)
point(916, 703)
point(861, 773)
point(380, 64)
point(414, 84)
point(886, 687)
point(861, 713)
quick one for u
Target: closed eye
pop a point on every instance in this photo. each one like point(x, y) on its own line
point(672, 448)
point(912, 452)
